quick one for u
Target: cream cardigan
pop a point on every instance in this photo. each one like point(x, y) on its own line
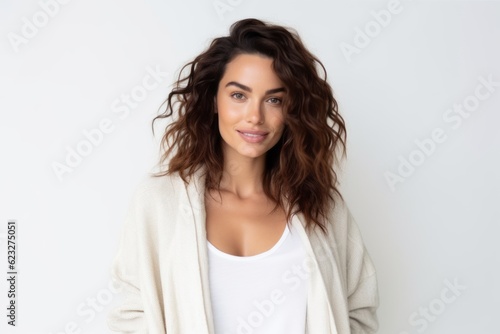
point(162, 265)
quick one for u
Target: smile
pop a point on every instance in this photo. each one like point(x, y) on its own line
point(252, 138)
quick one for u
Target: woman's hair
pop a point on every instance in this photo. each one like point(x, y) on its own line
point(299, 168)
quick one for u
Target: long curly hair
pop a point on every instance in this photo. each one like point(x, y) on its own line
point(299, 169)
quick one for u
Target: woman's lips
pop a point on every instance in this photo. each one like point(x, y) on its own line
point(253, 136)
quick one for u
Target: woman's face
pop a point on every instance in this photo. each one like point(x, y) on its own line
point(250, 99)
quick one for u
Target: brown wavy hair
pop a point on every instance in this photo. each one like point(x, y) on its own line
point(299, 168)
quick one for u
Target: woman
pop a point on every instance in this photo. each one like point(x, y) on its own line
point(245, 230)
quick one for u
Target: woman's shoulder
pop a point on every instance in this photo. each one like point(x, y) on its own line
point(338, 209)
point(341, 220)
point(151, 186)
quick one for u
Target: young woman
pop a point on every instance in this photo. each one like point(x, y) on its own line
point(244, 230)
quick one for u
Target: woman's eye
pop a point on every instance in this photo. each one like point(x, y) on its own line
point(238, 96)
point(275, 100)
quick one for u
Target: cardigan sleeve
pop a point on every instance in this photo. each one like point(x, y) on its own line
point(129, 316)
point(363, 297)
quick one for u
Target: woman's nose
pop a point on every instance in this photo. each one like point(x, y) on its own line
point(255, 113)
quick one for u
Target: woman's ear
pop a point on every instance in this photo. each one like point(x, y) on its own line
point(215, 104)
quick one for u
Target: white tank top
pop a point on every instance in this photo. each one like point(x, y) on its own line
point(260, 294)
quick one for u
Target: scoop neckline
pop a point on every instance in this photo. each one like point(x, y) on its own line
point(250, 257)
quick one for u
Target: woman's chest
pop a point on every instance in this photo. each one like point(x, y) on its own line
point(243, 227)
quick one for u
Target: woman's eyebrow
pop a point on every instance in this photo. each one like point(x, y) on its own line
point(248, 89)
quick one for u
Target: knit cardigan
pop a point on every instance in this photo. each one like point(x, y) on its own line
point(162, 266)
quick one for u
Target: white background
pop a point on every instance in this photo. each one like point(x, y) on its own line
point(440, 225)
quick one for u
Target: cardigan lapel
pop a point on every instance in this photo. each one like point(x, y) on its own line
point(325, 250)
point(319, 318)
point(196, 197)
